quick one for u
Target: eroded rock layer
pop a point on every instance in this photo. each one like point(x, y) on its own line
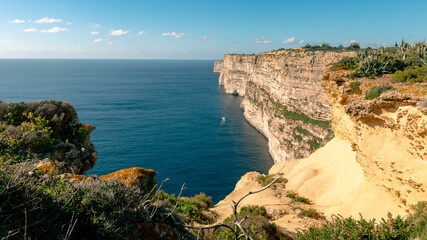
point(283, 97)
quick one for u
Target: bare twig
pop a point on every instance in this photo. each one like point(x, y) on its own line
point(176, 204)
point(236, 221)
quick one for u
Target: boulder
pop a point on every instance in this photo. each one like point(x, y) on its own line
point(145, 179)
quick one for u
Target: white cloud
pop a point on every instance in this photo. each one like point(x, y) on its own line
point(261, 40)
point(69, 23)
point(54, 30)
point(30, 30)
point(174, 34)
point(17, 21)
point(48, 20)
point(208, 37)
point(98, 40)
point(289, 40)
point(141, 33)
point(5, 41)
point(119, 32)
point(349, 42)
point(301, 41)
point(94, 25)
point(94, 33)
point(109, 43)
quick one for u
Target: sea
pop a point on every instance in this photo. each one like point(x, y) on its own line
point(166, 115)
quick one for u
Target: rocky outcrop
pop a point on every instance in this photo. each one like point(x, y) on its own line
point(375, 164)
point(145, 179)
point(218, 66)
point(47, 130)
point(283, 97)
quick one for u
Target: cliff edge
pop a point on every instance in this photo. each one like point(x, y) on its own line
point(375, 164)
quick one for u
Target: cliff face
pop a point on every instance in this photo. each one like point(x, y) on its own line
point(283, 97)
point(375, 164)
point(377, 161)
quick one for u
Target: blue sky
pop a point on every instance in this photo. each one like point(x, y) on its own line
point(181, 29)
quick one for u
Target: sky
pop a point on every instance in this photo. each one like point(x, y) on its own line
point(199, 29)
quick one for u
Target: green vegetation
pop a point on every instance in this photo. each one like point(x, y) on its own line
point(412, 75)
point(291, 195)
point(191, 209)
point(346, 63)
point(314, 144)
point(327, 47)
point(299, 116)
point(28, 130)
point(349, 228)
point(355, 87)
point(375, 92)
point(419, 220)
point(302, 200)
point(311, 213)
point(49, 208)
point(298, 138)
point(407, 60)
point(264, 180)
point(257, 225)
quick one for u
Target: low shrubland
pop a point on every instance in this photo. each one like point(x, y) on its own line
point(38, 205)
point(191, 209)
point(28, 130)
point(264, 180)
point(375, 92)
point(406, 61)
point(257, 225)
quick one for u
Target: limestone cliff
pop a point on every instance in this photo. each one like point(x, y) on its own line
point(375, 164)
point(283, 97)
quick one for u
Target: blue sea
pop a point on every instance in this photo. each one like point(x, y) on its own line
point(166, 115)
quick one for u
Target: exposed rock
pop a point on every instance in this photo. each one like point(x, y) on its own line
point(218, 66)
point(145, 179)
point(283, 97)
point(376, 163)
point(46, 165)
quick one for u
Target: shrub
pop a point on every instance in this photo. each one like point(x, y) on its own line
point(49, 208)
point(346, 63)
point(419, 220)
point(412, 75)
point(264, 180)
point(302, 200)
point(349, 228)
point(190, 208)
point(257, 225)
point(290, 195)
point(355, 87)
point(375, 92)
point(354, 46)
point(311, 213)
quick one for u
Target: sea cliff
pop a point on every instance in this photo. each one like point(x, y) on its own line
point(283, 97)
point(374, 165)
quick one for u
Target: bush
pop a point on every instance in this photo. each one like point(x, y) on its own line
point(354, 46)
point(257, 225)
point(191, 209)
point(302, 200)
point(419, 220)
point(290, 195)
point(346, 63)
point(412, 75)
point(264, 180)
point(47, 207)
point(375, 92)
point(349, 228)
point(355, 87)
point(311, 213)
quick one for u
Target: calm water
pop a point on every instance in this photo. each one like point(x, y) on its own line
point(160, 114)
